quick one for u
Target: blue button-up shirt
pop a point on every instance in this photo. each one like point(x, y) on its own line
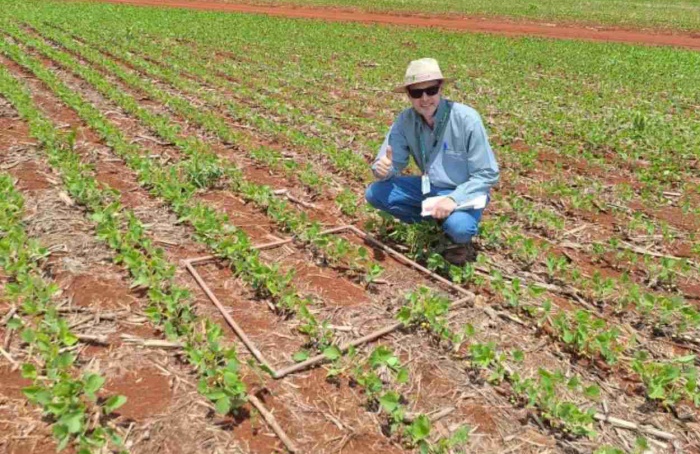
point(462, 160)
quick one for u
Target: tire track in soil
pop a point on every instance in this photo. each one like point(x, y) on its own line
point(473, 405)
point(465, 24)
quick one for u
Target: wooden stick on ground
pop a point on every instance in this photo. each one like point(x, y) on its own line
point(155, 343)
point(8, 316)
point(272, 422)
point(617, 422)
point(9, 358)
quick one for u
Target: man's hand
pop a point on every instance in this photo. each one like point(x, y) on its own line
point(444, 208)
point(383, 166)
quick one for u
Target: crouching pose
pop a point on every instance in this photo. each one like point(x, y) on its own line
point(448, 143)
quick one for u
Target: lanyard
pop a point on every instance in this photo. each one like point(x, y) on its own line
point(439, 132)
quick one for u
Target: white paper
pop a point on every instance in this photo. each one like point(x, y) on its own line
point(476, 203)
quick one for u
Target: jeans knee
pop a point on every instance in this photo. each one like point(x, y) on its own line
point(373, 195)
point(370, 196)
point(460, 230)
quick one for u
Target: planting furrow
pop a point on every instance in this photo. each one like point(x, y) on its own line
point(61, 384)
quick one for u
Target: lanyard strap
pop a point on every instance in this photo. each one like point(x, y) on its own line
point(439, 132)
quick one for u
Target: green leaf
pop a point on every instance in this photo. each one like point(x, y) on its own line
point(684, 359)
point(61, 433)
point(402, 375)
point(223, 405)
point(518, 356)
point(37, 394)
point(65, 360)
point(93, 383)
point(113, 403)
point(301, 356)
point(28, 336)
point(420, 428)
point(469, 330)
point(332, 353)
point(389, 401)
point(592, 392)
point(29, 371)
point(14, 323)
point(72, 421)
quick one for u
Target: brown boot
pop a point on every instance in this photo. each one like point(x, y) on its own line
point(459, 254)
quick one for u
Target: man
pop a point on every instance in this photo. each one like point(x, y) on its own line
point(448, 142)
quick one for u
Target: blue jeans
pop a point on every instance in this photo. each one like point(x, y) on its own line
point(401, 197)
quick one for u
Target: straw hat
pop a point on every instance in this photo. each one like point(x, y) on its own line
point(419, 71)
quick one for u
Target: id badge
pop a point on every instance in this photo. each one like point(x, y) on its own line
point(425, 184)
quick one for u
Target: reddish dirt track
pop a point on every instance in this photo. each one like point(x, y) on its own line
point(479, 25)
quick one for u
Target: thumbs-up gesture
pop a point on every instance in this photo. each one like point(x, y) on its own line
point(383, 166)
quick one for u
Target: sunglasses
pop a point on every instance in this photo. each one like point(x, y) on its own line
point(417, 93)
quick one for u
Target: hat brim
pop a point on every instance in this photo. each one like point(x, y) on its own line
point(402, 88)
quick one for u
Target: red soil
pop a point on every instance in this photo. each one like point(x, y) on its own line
point(146, 390)
point(480, 25)
point(97, 292)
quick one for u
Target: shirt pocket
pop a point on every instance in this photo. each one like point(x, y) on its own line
point(455, 165)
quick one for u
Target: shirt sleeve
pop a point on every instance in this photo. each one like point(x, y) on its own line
point(481, 163)
point(400, 151)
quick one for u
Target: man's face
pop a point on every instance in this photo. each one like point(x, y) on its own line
point(426, 105)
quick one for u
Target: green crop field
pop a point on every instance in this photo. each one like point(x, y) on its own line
point(133, 139)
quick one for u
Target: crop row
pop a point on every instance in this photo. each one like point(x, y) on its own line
point(68, 398)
